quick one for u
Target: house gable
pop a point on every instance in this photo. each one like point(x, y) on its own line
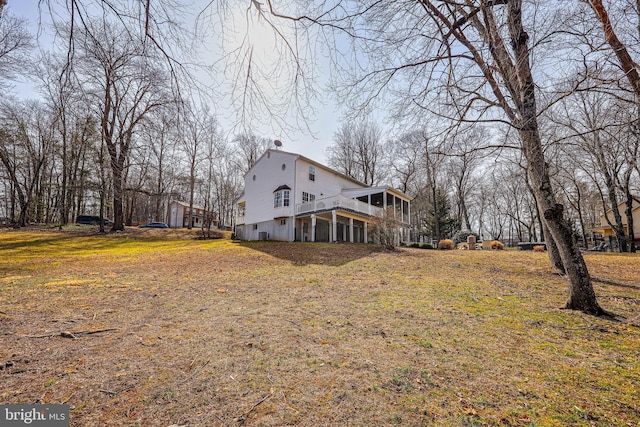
point(272, 170)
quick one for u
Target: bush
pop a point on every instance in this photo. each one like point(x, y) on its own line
point(445, 244)
point(497, 245)
point(385, 227)
point(538, 248)
point(463, 245)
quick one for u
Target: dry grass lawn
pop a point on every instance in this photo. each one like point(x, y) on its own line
point(154, 328)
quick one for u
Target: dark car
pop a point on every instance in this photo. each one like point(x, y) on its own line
point(154, 225)
point(91, 220)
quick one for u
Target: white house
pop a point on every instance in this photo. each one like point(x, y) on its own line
point(178, 216)
point(289, 197)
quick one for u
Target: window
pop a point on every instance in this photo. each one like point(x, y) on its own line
point(312, 173)
point(281, 198)
point(306, 197)
point(255, 226)
point(283, 222)
point(284, 166)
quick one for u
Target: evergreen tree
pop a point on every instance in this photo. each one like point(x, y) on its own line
point(439, 223)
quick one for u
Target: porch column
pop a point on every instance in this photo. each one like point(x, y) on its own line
point(313, 227)
point(395, 211)
point(366, 240)
point(334, 226)
point(351, 230)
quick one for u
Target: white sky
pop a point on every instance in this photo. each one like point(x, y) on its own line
point(311, 144)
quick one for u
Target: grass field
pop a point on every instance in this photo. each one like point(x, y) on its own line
point(159, 329)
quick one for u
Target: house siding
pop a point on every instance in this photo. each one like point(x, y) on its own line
point(178, 215)
point(606, 230)
point(259, 192)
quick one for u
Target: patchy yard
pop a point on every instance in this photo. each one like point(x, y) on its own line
point(155, 329)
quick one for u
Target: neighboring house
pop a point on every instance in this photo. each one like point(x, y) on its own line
point(289, 197)
point(179, 215)
point(606, 230)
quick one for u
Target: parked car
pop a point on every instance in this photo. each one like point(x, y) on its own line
point(154, 225)
point(91, 220)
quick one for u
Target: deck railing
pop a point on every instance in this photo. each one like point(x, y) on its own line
point(338, 202)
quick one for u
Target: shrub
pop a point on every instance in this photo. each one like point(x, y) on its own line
point(385, 226)
point(445, 244)
point(538, 248)
point(497, 245)
point(463, 246)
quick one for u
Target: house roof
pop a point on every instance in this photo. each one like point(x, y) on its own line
point(359, 192)
point(635, 205)
point(186, 205)
point(361, 185)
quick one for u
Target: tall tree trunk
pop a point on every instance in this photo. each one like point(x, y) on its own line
point(117, 163)
point(552, 249)
point(192, 187)
point(628, 65)
point(581, 294)
point(545, 236)
point(630, 226)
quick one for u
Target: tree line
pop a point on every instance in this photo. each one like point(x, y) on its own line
point(110, 136)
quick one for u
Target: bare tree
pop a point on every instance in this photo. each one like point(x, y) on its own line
point(15, 43)
point(462, 164)
point(630, 71)
point(251, 147)
point(161, 144)
point(593, 129)
point(26, 145)
point(358, 151)
point(480, 53)
point(405, 155)
point(213, 148)
point(125, 83)
point(199, 140)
